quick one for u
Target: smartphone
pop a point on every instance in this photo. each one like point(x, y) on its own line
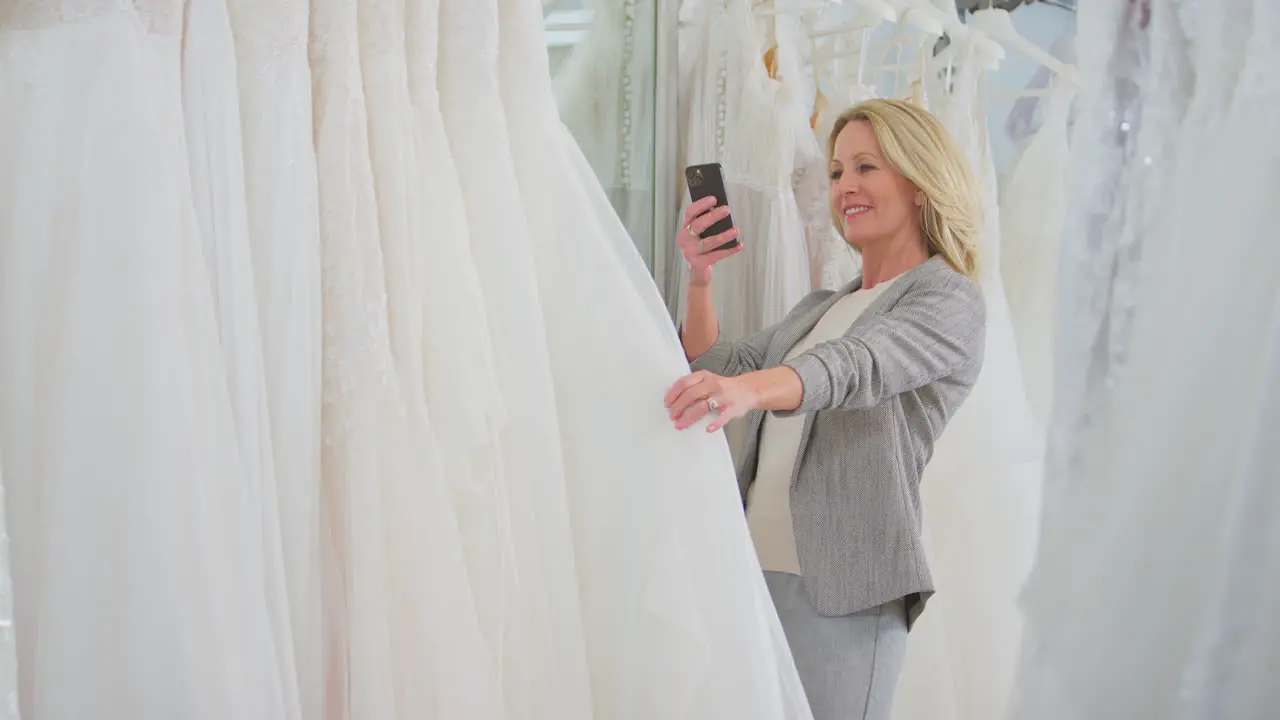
point(708, 181)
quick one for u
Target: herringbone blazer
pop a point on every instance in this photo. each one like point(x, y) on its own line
point(875, 401)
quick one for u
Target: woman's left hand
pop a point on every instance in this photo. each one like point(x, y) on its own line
point(694, 396)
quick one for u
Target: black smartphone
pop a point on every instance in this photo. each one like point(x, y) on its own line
point(708, 181)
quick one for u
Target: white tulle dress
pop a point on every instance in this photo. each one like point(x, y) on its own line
point(403, 636)
point(1163, 478)
point(212, 115)
point(641, 596)
point(1033, 210)
point(8, 652)
point(137, 533)
point(282, 216)
point(981, 490)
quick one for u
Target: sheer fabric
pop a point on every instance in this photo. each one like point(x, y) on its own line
point(282, 218)
point(403, 636)
point(301, 420)
point(8, 653)
point(133, 592)
point(677, 620)
point(981, 490)
point(211, 110)
point(1033, 208)
point(1155, 445)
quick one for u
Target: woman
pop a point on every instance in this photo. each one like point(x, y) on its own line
point(846, 397)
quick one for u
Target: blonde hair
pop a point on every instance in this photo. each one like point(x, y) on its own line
point(919, 147)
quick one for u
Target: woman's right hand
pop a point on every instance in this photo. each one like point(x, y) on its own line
point(697, 252)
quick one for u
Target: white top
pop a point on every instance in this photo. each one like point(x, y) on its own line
point(769, 499)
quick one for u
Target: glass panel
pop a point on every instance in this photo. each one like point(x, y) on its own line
point(603, 65)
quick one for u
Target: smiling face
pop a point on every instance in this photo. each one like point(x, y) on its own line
point(876, 203)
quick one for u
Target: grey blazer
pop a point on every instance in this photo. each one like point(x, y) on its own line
point(876, 400)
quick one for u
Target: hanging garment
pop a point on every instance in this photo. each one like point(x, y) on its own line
point(536, 628)
point(1159, 476)
point(8, 652)
point(980, 492)
point(403, 637)
point(833, 263)
point(1033, 208)
point(673, 619)
point(282, 218)
point(740, 117)
point(1028, 113)
point(457, 365)
point(136, 525)
point(211, 110)
point(605, 92)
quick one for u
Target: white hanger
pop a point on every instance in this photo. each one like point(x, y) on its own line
point(880, 9)
point(956, 29)
point(926, 24)
point(801, 9)
point(842, 29)
point(997, 24)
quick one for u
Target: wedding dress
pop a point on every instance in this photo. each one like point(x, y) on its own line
point(403, 638)
point(457, 363)
point(744, 119)
point(282, 216)
point(1033, 211)
point(639, 594)
point(833, 263)
point(8, 652)
point(138, 546)
point(538, 636)
point(605, 92)
point(980, 492)
point(211, 110)
point(1160, 476)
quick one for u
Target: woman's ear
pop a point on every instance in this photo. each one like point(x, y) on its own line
point(919, 198)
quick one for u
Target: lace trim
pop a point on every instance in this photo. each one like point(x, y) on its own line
point(268, 28)
point(628, 54)
point(38, 14)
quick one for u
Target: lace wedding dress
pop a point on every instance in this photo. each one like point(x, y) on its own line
point(639, 595)
point(282, 217)
point(745, 120)
point(605, 90)
point(981, 490)
point(1033, 208)
point(403, 639)
point(136, 523)
point(1162, 473)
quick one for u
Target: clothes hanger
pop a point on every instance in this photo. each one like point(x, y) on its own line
point(955, 29)
point(880, 9)
point(997, 24)
point(802, 9)
point(926, 24)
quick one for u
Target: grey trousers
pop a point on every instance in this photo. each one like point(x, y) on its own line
point(848, 665)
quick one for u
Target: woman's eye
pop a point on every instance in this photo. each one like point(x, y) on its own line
point(864, 168)
point(835, 174)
